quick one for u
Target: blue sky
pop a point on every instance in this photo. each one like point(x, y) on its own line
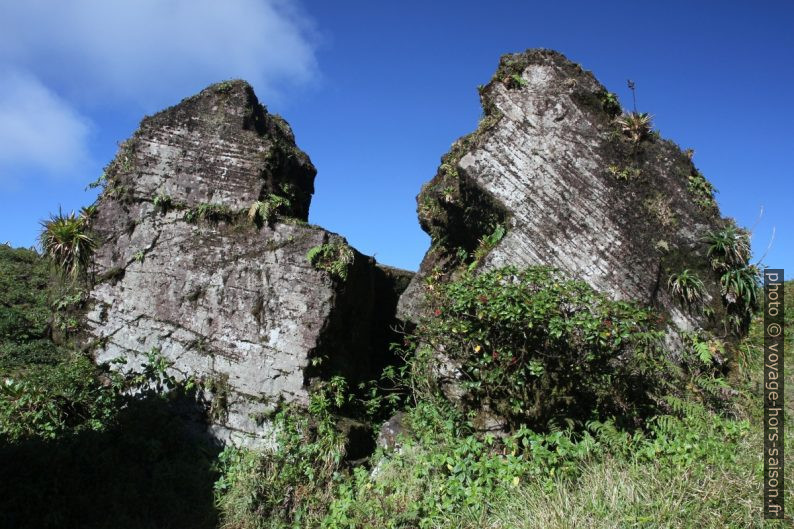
point(377, 91)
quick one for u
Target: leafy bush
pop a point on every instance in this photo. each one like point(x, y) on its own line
point(46, 401)
point(24, 310)
point(534, 348)
point(66, 241)
point(335, 258)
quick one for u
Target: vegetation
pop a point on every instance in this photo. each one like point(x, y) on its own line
point(702, 190)
point(658, 205)
point(610, 104)
point(728, 248)
point(625, 174)
point(162, 203)
point(537, 349)
point(335, 258)
point(24, 311)
point(77, 448)
point(210, 213)
point(66, 240)
point(292, 484)
point(486, 244)
point(635, 125)
point(729, 251)
point(687, 287)
point(690, 465)
point(264, 211)
point(595, 437)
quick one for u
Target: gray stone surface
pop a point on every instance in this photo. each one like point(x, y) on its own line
point(543, 163)
point(235, 305)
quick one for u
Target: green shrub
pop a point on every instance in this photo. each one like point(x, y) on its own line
point(534, 348)
point(46, 401)
point(66, 241)
point(335, 258)
point(24, 310)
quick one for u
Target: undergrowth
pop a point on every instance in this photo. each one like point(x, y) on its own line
point(694, 461)
point(79, 449)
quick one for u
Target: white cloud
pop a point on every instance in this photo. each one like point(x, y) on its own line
point(38, 129)
point(60, 59)
point(152, 51)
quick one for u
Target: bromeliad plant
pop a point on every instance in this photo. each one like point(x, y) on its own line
point(687, 287)
point(728, 248)
point(65, 239)
point(729, 251)
point(635, 125)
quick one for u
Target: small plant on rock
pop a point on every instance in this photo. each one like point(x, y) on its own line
point(264, 211)
point(335, 258)
point(610, 104)
point(66, 241)
point(702, 190)
point(687, 287)
point(740, 286)
point(728, 248)
point(162, 203)
point(635, 125)
point(209, 212)
point(514, 81)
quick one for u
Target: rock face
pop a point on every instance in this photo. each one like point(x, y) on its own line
point(550, 178)
point(203, 256)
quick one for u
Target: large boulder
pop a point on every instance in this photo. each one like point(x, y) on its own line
point(205, 256)
point(550, 178)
